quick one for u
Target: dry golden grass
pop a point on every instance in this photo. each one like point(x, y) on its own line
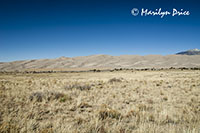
point(90, 102)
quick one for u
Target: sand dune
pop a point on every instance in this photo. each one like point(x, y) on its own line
point(105, 61)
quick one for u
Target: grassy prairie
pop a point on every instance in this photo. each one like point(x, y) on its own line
point(90, 102)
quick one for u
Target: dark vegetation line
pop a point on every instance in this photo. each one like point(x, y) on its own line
point(106, 70)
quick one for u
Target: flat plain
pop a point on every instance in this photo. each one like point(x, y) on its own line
point(89, 102)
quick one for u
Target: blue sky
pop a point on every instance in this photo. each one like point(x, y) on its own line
point(34, 29)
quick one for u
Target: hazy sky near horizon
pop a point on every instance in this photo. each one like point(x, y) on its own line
point(33, 29)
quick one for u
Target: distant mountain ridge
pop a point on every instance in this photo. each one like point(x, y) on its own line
point(190, 52)
point(104, 61)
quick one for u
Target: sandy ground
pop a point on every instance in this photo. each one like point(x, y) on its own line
point(90, 102)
